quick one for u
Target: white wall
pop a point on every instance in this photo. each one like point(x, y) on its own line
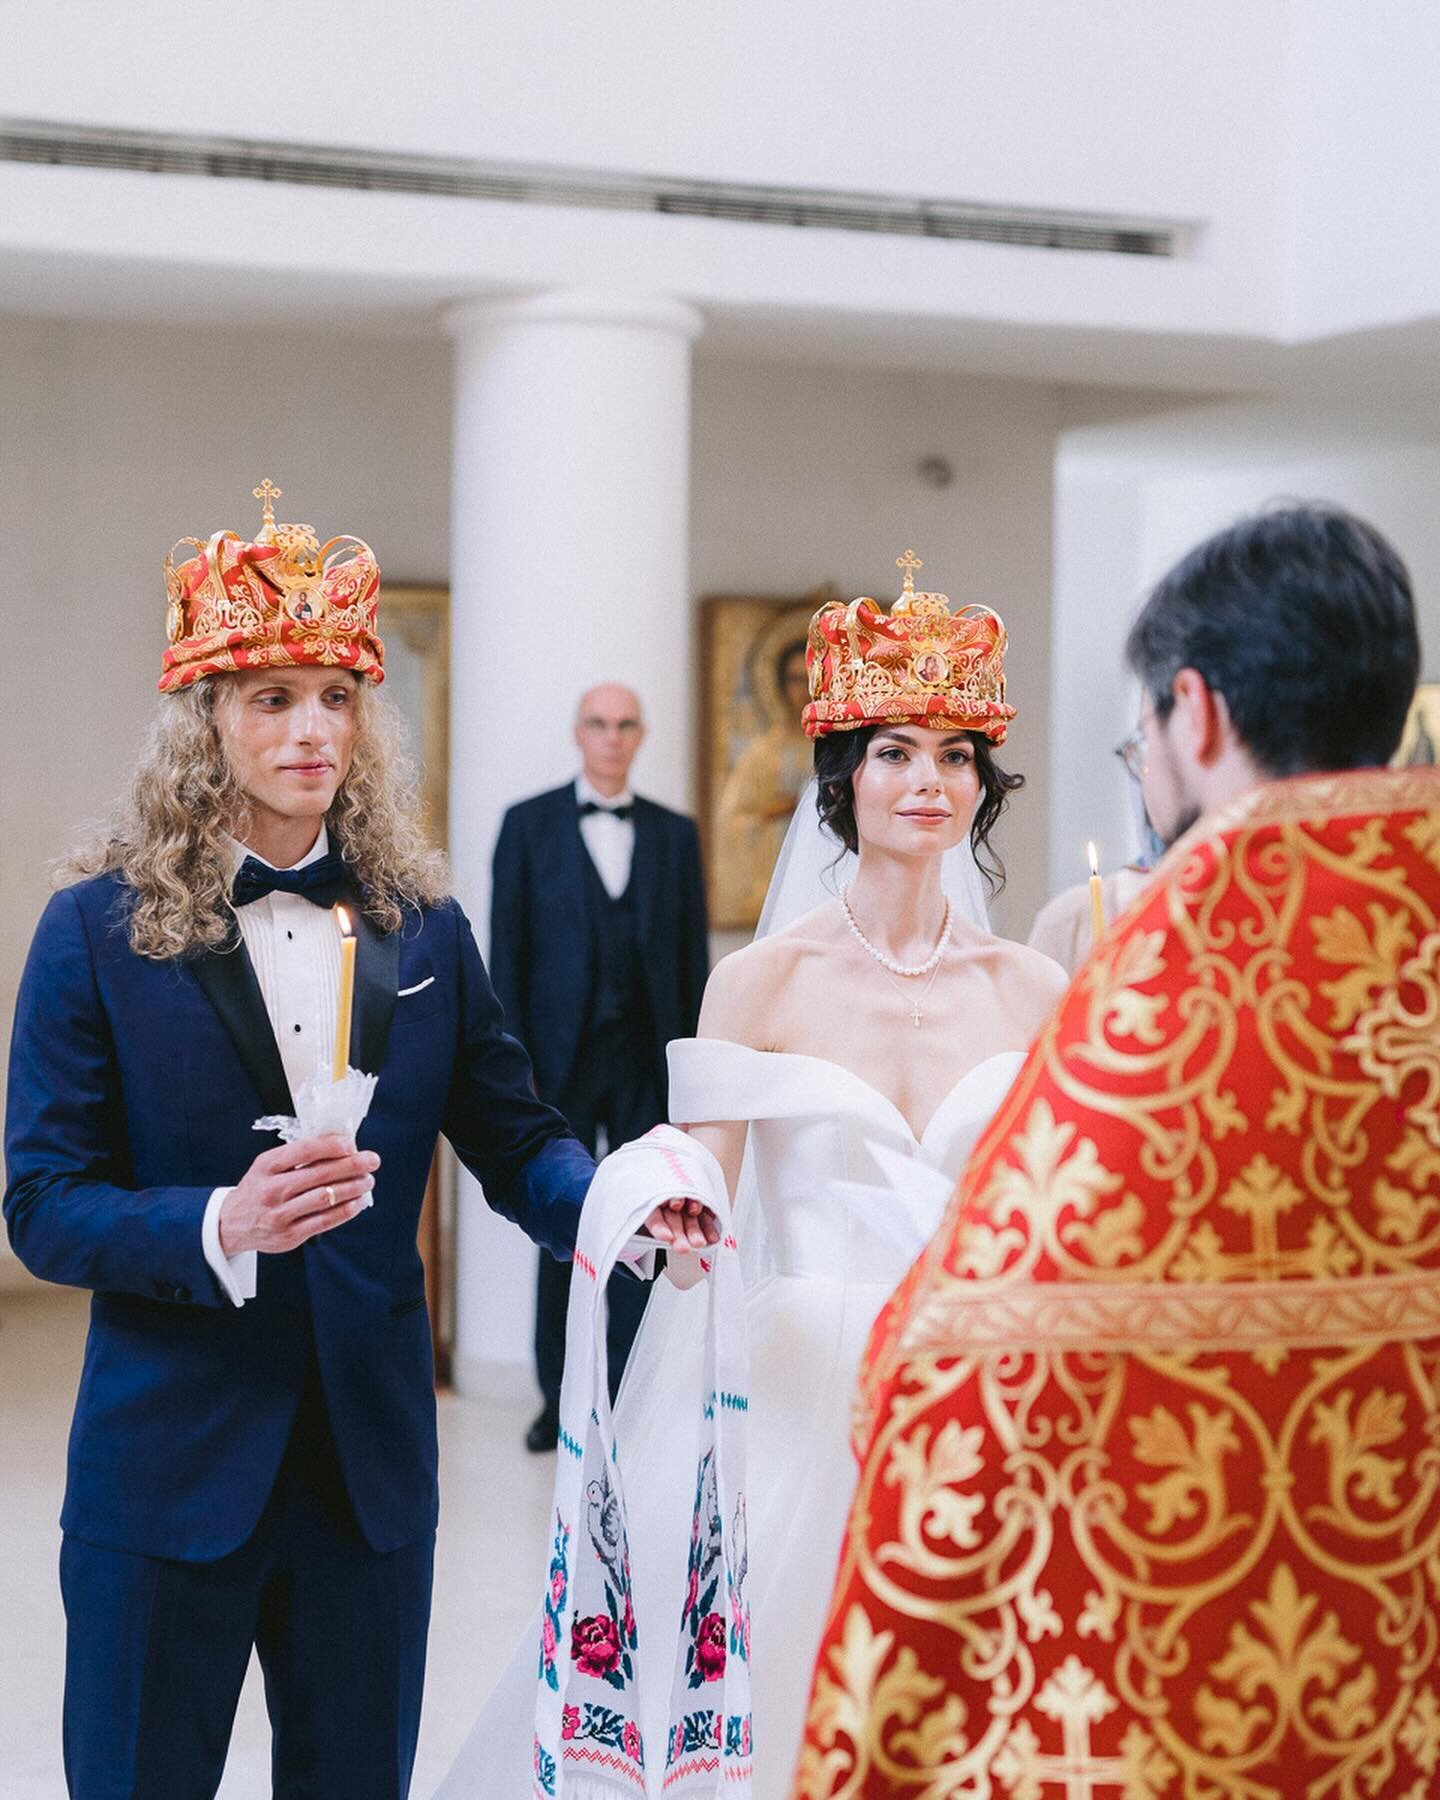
point(1366, 179)
point(951, 97)
point(1118, 106)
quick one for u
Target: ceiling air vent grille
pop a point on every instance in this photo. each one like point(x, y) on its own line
point(303, 165)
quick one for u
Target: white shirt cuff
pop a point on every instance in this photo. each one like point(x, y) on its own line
point(639, 1257)
point(236, 1274)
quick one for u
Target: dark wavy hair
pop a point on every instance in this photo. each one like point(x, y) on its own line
point(840, 753)
point(1302, 617)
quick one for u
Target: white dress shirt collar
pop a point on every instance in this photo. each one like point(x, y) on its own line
point(239, 851)
point(585, 789)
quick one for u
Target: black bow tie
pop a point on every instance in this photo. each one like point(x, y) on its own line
point(322, 882)
point(587, 807)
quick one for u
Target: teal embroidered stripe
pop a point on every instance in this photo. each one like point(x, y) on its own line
point(730, 1403)
point(568, 1443)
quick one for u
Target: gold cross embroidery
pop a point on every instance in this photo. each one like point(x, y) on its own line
point(1262, 1194)
point(1076, 1699)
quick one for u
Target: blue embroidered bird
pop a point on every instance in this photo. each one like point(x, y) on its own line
point(607, 1531)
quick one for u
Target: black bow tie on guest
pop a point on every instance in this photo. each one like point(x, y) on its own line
point(614, 812)
point(322, 882)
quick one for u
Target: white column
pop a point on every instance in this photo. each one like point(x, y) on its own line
point(569, 566)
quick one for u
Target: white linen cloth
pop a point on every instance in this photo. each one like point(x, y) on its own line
point(827, 1151)
point(599, 1645)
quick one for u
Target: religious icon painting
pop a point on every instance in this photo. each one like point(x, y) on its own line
point(754, 760)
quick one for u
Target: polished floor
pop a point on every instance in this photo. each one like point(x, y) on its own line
point(489, 1565)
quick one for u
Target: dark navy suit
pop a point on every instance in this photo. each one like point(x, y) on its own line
point(596, 988)
point(204, 1432)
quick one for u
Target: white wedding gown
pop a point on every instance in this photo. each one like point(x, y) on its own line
point(844, 1197)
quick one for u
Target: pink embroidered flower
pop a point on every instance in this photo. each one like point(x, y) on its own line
point(595, 1644)
point(557, 1587)
point(629, 1618)
point(692, 1597)
point(631, 1739)
point(745, 1736)
point(710, 1647)
point(547, 1638)
point(569, 1721)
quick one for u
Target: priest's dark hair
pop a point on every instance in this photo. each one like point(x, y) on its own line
point(1303, 618)
point(840, 753)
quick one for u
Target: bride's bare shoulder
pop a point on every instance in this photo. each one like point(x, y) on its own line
point(1031, 978)
point(740, 994)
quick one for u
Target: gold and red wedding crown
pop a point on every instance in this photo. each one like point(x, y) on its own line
point(919, 663)
point(280, 600)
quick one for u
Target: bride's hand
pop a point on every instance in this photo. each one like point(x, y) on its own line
point(682, 1226)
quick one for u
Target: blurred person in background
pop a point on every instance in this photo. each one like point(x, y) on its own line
point(599, 953)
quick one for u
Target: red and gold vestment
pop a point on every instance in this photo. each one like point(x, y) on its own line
point(1149, 1502)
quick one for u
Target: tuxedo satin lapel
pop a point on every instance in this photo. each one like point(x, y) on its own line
point(228, 980)
point(564, 885)
point(645, 867)
point(377, 981)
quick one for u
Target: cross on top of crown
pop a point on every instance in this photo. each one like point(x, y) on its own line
point(909, 562)
point(268, 494)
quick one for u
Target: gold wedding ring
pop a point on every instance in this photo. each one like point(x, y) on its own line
point(330, 1196)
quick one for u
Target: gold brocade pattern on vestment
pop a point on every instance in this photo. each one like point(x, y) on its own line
point(1149, 1502)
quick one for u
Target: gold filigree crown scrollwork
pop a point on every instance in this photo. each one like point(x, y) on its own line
point(281, 597)
point(921, 662)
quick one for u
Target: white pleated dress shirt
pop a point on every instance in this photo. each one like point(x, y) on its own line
point(610, 841)
point(294, 948)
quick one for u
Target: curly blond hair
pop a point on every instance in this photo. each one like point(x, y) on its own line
point(168, 837)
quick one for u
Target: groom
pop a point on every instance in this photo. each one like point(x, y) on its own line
point(1148, 1497)
point(253, 1456)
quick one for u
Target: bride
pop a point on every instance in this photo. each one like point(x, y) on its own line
point(845, 1065)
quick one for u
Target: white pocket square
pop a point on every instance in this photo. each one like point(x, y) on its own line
point(419, 987)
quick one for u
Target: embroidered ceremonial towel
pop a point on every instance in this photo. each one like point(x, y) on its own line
point(1149, 1502)
point(589, 1743)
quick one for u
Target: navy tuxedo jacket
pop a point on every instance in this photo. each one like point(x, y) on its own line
point(134, 1087)
point(542, 944)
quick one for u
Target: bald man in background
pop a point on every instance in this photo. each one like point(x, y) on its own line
point(599, 954)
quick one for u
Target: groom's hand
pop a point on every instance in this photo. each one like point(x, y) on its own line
point(293, 1193)
point(682, 1226)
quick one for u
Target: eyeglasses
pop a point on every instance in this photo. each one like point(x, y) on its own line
point(1132, 753)
point(626, 727)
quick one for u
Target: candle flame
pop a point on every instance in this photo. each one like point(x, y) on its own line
point(1094, 859)
point(344, 918)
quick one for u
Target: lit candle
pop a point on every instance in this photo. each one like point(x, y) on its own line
point(1097, 897)
point(343, 1010)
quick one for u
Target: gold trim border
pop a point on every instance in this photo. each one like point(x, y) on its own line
point(1135, 1316)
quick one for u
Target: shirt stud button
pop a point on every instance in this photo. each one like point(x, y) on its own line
point(297, 1027)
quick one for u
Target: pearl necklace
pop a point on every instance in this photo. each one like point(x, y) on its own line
point(890, 968)
point(932, 961)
